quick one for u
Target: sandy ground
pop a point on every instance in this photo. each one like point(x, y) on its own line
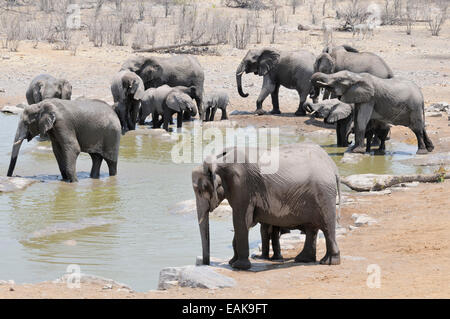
point(410, 242)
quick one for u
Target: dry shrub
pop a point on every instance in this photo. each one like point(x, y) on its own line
point(436, 16)
point(241, 32)
point(351, 13)
point(145, 35)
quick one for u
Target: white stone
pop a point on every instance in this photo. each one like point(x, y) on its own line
point(11, 184)
point(363, 219)
point(353, 158)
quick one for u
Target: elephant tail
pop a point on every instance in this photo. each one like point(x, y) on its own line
point(338, 184)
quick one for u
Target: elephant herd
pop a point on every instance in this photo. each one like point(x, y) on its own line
point(365, 97)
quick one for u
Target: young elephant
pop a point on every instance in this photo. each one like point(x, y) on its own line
point(82, 125)
point(45, 86)
point(213, 102)
point(166, 101)
point(271, 233)
point(292, 70)
point(393, 101)
point(300, 194)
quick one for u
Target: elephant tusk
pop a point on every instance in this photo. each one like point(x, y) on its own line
point(18, 142)
point(202, 219)
point(240, 73)
point(322, 83)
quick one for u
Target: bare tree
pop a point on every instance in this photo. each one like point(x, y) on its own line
point(410, 15)
point(436, 15)
point(294, 5)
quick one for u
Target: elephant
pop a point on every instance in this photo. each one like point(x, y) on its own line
point(395, 101)
point(271, 233)
point(128, 89)
point(292, 70)
point(340, 58)
point(45, 86)
point(214, 101)
point(291, 197)
point(166, 101)
point(183, 70)
point(81, 125)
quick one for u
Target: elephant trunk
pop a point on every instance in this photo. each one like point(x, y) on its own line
point(21, 134)
point(203, 222)
point(240, 70)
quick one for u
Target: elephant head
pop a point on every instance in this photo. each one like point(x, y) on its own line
point(45, 89)
point(35, 119)
point(260, 62)
point(349, 87)
point(208, 195)
point(179, 101)
point(66, 89)
point(147, 68)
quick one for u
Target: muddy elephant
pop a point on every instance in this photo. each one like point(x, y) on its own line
point(292, 70)
point(395, 101)
point(179, 70)
point(290, 197)
point(45, 86)
point(165, 101)
point(340, 58)
point(82, 125)
point(214, 101)
point(128, 89)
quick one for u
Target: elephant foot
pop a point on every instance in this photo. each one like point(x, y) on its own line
point(330, 259)
point(430, 148)
point(275, 111)
point(359, 149)
point(300, 112)
point(262, 256)
point(232, 260)
point(242, 264)
point(422, 151)
point(278, 257)
point(380, 152)
point(260, 112)
point(305, 257)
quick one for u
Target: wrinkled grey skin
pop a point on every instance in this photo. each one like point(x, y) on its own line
point(128, 89)
point(300, 195)
point(82, 125)
point(166, 101)
point(378, 130)
point(45, 86)
point(340, 58)
point(395, 101)
point(214, 101)
point(179, 70)
point(289, 69)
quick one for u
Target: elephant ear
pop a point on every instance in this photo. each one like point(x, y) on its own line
point(179, 101)
point(267, 60)
point(38, 91)
point(209, 170)
point(47, 117)
point(151, 72)
point(137, 88)
point(360, 92)
point(66, 90)
point(339, 111)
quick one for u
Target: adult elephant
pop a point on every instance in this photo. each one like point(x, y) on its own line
point(340, 58)
point(290, 197)
point(127, 90)
point(395, 101)
point(292, 70)
point(45, 86)
point(82, 125)
point(165, 101)
point(180, 70)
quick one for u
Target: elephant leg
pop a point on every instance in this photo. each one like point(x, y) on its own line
point(369, 136)
point(275, 236)
point(363, 114)
point(301, 111)
point(186, 116)
point(96, 164)
point(59, 159)
point(275, 102)
point(179, 119)
point(235, 255)
point(382, 135)
point(265, 241)
point(241, 237)
point(267, 88)
point(112, 166)
point(207, 114)
point(166, 119)
point(199, 102)
point(326, 94)
point(213, 113)
point(339, 135)
point(421, 147)
point(332, 256)
point(308, 254)
point(428, 143)
point(70, 161)
point(224, 115)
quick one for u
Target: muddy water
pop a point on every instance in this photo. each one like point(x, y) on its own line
point(120, 227)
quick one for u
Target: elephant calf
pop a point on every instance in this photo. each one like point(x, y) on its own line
point(166, 101)
point(45, 86)
point(82, 125)
point(213, 102)
point(300, 194)
point(270, 233)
